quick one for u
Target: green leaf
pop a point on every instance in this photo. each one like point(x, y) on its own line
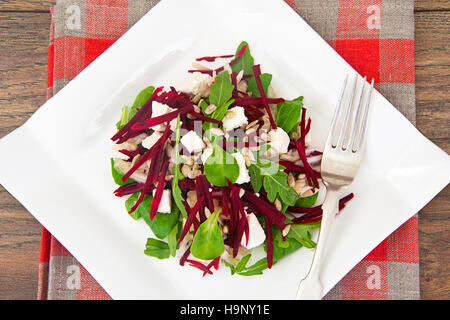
point(221, 90)
point(255, 269)
point(162, 223)
point(156, 248)
point(129, 203)
point(261, 168)
point(229, 265)
point(218, 114)
point(117, 176)
point(276, 185)
point(246, 62)
point(123, 119)
point(208, 242)
point(140, 100)
point(255, 177)
point(307, 202)
point(288, 114)
point(172, 240)
point(176, 191)
point(300, 233)
point(266, 78)
point(220, 166)
point(241, 265)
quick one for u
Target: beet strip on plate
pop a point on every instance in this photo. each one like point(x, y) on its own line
point(159, 190)
point(190, 219)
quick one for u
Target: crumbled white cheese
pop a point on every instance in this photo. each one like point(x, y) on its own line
point(165, 205)
point(192, 141)
point(243, 171)
point(279, 140)
point(159, 109)
point(151, 139)
point(256, 235)
point(197, 83)
point(206, 154)
point(234, 118)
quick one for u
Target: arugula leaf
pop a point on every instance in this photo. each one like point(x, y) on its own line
point(307, 202)
point(156, 248)
point(252, 87)
point(220, 166)
point(176, 191)
point(261, 168)
point(276, 185)
point(288, 114)
point(241, 265)
point(300, 233)
point(117, 176)
point(255, 269)
point(221, 90)
point(172, 240)
point(208, 242)
point(123, 119)
point(246, 62)
point(218, 114)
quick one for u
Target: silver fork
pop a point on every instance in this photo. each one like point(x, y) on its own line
point(340, 164)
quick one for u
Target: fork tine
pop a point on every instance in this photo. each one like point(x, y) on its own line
point(358, 139)
point(357, 119)
point(332, 135)
point(344, 127)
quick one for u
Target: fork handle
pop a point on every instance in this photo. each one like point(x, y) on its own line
point(310, 287)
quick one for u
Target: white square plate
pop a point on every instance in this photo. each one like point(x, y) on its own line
point(57, 163)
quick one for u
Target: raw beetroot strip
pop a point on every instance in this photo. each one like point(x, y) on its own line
point(257, 73)
point(315, 214)
point(154, 166)
point(151, 153)
point(292, 166)
point(265, 208)
point(214, 263)
point(151, 122)
point(200, 194)
point(308, 170)
point(146, 108)
point(185, 256)
point(213, 58)
point(269, 242)
point(128, 189)
point(159, 190)
point(249, 101)
point(198, 265)
point(205, 189)
point(192, 215)
point(253, 110)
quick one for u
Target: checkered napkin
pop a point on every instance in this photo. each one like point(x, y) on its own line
point(375, 36)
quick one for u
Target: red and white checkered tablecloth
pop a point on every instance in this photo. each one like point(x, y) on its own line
point(375, 36)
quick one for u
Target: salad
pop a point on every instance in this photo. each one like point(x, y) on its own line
point(220, 169)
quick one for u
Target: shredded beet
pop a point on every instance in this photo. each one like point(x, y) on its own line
point(257, 101)
point(200, 194)
point(151, 122)
point(192, 216)
point(308, 170)
point(269, 241)
point(315, 214)
point(129, 189)
point(199, 265)
point(265, 208)
point(205, 185)
point(185, 256)
point(291, 166)
point(257, 73)
point(159, 191)
point(213, 58)
point(146, 109)
point(150, 154)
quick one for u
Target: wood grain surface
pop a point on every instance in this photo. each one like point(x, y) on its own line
point(24, 31)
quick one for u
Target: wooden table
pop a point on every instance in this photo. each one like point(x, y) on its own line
point(24, 32)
